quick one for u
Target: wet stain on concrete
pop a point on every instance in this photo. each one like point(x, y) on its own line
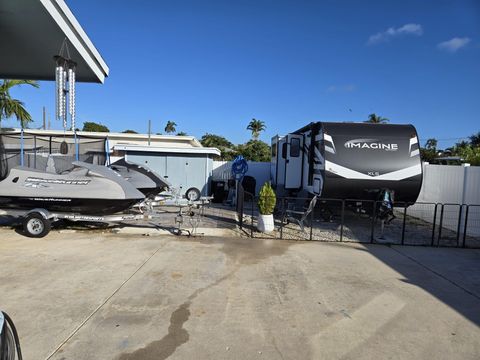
point(240, 252)
point(163, 348)
point(245, 251)
point(249, 252)
point(176, 275)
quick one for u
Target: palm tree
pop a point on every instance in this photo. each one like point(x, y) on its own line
point(256, 126)
point(170, 128)
point(14, 107)
point(475, 139)
point(431, 144)
point(375, 119)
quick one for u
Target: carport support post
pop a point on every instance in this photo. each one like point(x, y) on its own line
point(76, 144)
point(21, 146)
point(34, 151)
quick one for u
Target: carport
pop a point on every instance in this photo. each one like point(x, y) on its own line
point(32, 34)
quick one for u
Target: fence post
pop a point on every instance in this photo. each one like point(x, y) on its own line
point(251, 216)
point(404, 222)
point(342, 220)
point(465, 227)
point(282, 218)
point(373, 220)
point(311, 223)
point(434, 223)
point(440, 225)
point(459, 224)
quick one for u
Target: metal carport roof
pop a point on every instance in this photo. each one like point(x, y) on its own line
point(32, 32)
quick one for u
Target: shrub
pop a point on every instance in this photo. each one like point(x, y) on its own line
point(266, 199)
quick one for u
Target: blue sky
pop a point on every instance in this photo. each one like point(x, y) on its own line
point(211, 66)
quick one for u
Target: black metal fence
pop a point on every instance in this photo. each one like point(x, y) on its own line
point(352, 220)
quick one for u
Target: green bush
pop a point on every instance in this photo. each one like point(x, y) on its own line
point(266, 199)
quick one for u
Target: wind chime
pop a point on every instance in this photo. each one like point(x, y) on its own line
point(65, 87)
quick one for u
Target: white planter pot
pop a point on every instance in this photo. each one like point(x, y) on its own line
point(265, 223)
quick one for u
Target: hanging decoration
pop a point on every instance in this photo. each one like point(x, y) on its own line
point(65, 85)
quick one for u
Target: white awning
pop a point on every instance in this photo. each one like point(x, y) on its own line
point(32, 33)
point(164, 149)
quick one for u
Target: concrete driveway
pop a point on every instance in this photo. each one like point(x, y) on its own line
point(89, 295)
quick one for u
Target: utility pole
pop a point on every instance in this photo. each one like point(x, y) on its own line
point(44, 119)
point(149, 130)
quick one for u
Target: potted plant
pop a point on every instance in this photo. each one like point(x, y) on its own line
point(266, 205)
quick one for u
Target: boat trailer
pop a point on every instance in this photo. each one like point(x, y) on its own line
point(38, 222)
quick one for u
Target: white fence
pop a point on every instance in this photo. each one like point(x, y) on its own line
point(450, 184)
point(441, 183)
point(259, 170)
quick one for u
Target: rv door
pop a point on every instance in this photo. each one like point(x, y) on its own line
point(293, 163)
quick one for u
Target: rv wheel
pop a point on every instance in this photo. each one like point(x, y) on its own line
point(192, 194)
point(35, 225)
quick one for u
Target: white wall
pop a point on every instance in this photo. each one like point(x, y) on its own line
point(259, 170)
point(450, 184)
point(455, 185)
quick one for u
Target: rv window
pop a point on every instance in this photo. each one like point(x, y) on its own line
point(295, 147)
point(274, 150)
point(284, 150)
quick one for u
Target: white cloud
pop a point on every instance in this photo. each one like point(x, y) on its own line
point(454, 44)
point(341, 88)
point(390, 33)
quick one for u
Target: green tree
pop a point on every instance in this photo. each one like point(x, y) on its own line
point(375, 119)
point(461, 145)
point(255, 150)
point(429, 152)
point(128, 131)
point(226, 148)
point(170, 127)
point(182, 133)
point(13, 107)
point(469, 151)
point(94, 127)
point(475, 139)
point(469, 154)
point(431, 144)
point(256, 127)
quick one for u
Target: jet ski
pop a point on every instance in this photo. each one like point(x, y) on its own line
point(145, 180)
point(85, 189)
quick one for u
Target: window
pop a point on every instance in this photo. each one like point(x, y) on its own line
point(284, 150)
point(274, 150)
point(295, 147)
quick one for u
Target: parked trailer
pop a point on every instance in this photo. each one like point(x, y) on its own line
point(187, 169)
point(348, 161)
point(38, 222)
